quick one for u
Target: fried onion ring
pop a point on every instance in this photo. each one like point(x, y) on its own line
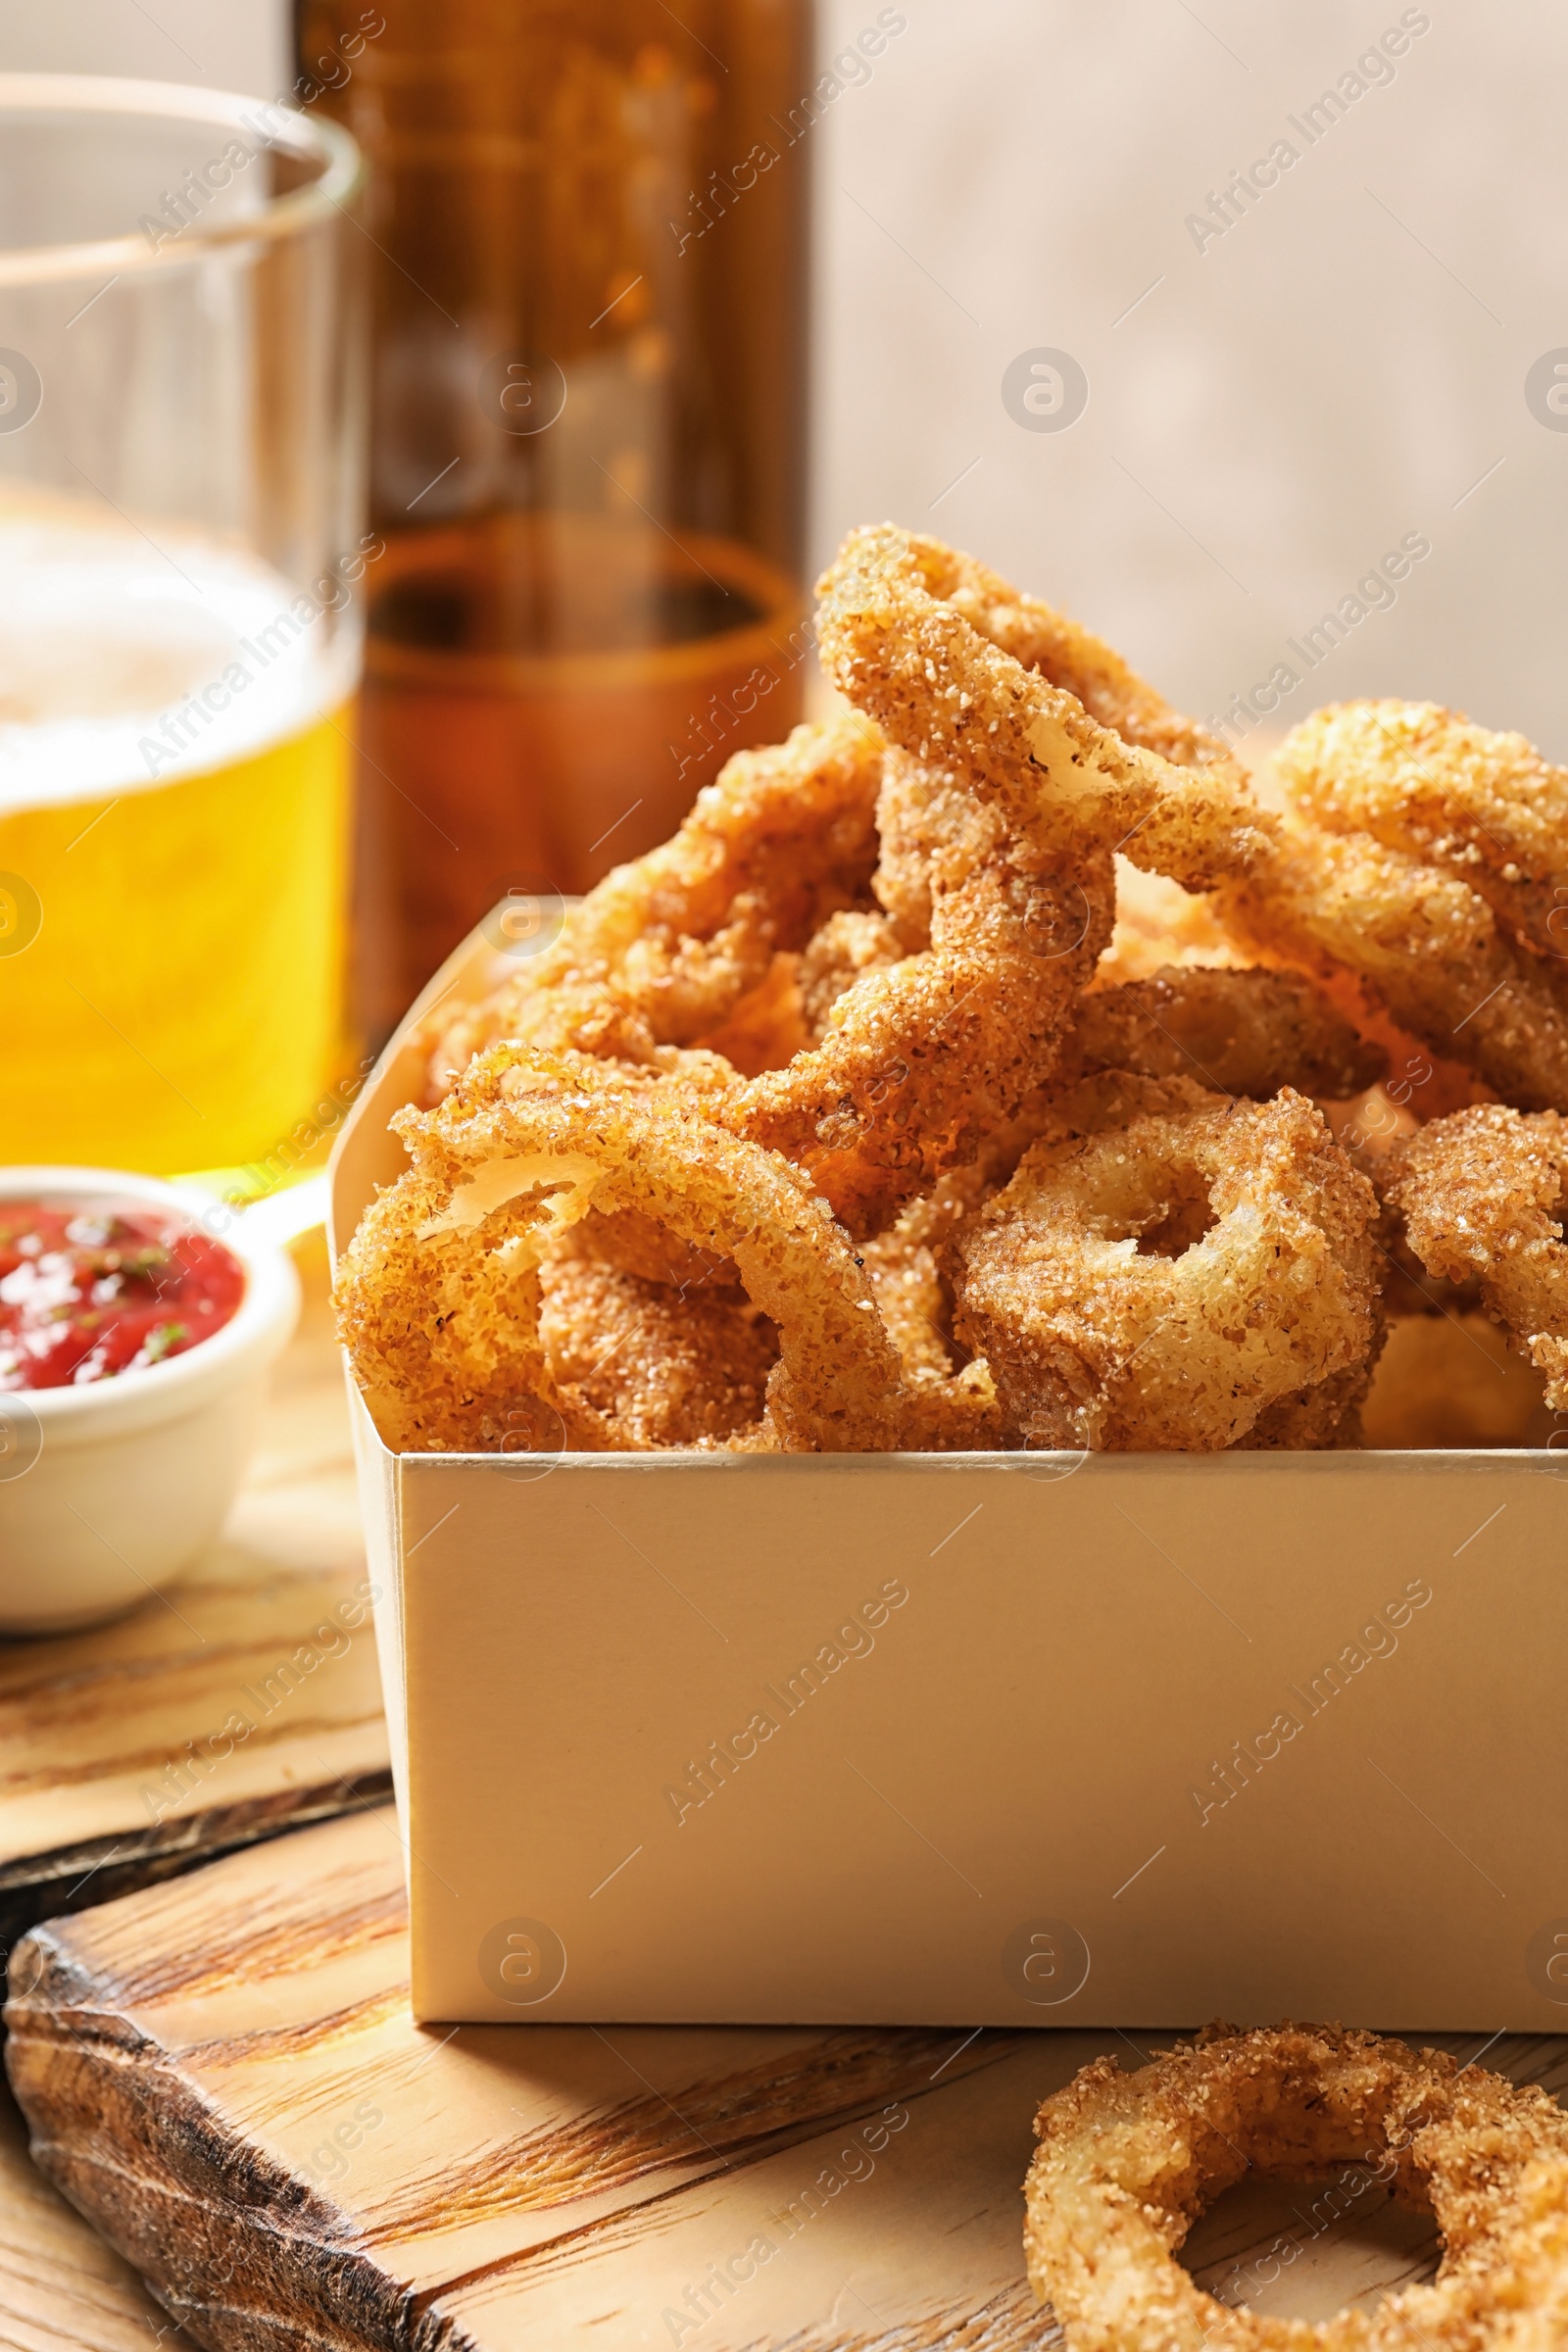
point(1247, 1032)
point(920, 1059)
point(1164, 1267)
point(664, 950)
point(946, 1407)
point(1482, 1197)
point(661, 1365)
point(900, 632)
point(887, 988)
point(1127, 2162)
point(439, 1292)
point(1324, 1419)
point(1485, 807)
point(1424, 942)
point(1160, 924)
point(848, 947)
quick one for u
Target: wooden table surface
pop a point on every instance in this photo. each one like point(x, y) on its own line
point(223, 2071)
point(111, 1775)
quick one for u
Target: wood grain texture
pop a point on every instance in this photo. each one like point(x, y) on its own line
point(244, 1700)
point(223, 2073)
point(59, 2286)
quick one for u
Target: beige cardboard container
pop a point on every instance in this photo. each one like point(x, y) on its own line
point(970, 1739)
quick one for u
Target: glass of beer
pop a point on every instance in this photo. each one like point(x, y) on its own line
point(183, 559)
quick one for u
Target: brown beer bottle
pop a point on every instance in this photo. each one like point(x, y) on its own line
point(588, 432)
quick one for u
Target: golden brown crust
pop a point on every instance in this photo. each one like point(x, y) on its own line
point(1166, 1266)
point(664, 950)
point(765, 1028)
point(867, 985)
point(1323, 1419)
point(848, 946)
point(948, 1405)
point(1482, 1197)
point(1427, 945)
point(1127, 2162)
point(1158, 924)
point(1072, 658)
point(922, 1057)
point(438, 1294)
point(1245, 1032)
point(1419, 778)
point(897, 635)
point(639, 1244)
point(658, 1365)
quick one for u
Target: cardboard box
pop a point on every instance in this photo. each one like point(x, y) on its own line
point(970, 1738)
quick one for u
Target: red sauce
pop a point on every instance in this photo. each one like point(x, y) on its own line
point(88, 1289)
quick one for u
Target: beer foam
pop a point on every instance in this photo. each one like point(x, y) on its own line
point(124, 664)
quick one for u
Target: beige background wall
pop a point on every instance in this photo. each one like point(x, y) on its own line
point(1338, 368)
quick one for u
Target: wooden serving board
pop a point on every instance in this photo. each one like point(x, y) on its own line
point(223, 2073)
point(123, 1751)
point(59, 2285)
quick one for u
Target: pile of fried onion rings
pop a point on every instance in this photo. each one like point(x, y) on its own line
point(990, 1066)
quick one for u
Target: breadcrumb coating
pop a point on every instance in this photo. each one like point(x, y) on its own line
point(1323, 1419)
point(1127, 2162)
point(1164, 1267)
point(658, 1365)
point(766, 1028)
point(941, 1082)
point(663, 950)
point(1160, 924)
point(848, 946)
point(438, 1294)
point(948, 1406)
point(1482, 1196)
point(899, 643)
point(1245, 1032)
point(922, 1057)
point(1425, 941)
point(1419, 778)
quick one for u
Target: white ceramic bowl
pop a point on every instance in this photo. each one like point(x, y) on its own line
point(111, 1491)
